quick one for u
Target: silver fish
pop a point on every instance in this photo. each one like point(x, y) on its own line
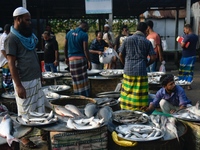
point(106, 113)
point(194, 109)
point(91, 109)
point(173, 129)
point(83, 121)
point(50, 116)
point(6, 129)
point(62, 111)
point(73, 109)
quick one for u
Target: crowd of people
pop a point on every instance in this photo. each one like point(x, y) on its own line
point(138, 54)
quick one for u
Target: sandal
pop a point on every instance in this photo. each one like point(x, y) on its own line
point(189, 88)
point(29, 144)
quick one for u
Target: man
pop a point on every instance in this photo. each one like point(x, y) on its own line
point(124, 33)
point(24, 67)
point(170, 97)
point(133, 54)
point(78, 59)
point(51, 56)
point(188, 55)
point(7, 80)
point(155, 40)
point(97, 48)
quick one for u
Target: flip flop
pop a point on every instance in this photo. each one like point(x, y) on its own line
point(30, 144)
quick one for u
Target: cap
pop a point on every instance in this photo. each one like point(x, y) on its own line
point(20, 11)
point(106, 25)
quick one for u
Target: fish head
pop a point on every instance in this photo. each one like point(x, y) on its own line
point(7, 116)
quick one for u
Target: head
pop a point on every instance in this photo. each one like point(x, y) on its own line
point(149, 25)
point(124, 30)
point(168, 83)
point(22, 21)
point(142, 26)
point(7, 28)
point(99, 35)
point(187, 28)
point(84, 25)
point(106, 27)
point(46, 35)
point(48, 27)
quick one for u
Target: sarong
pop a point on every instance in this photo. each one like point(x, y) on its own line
point(78, 69)
point(35, 98)
point(186, 68)
point(7, 79)
point(134, 93)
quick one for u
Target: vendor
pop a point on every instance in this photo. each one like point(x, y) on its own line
point(170, 97)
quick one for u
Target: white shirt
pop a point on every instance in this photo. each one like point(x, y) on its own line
point(3, 60)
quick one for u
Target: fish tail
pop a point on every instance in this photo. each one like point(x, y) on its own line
point(10, 139)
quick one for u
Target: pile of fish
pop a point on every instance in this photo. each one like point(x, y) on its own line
point(139, 132)
point(7, 130)
point(166, 124)
point(84, 123)
point(36, 118)
point(191, 113)
point(112, 72)
point(51, 74)
point(130, 117)
point(182, 82)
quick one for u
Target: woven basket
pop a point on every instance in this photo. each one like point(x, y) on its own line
point(78, 101)
point(10, 104)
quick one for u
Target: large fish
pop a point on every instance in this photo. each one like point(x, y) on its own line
point(6, 129)
point(62, 111)
point(194, 109)
point(91, 109)
point(73, 109)
point(106, 113)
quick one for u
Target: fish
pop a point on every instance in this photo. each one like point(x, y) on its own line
point(6, 129)
point(50, 116)
point(83, 121)
point(106, 113)
point(62, 111)
point(91, 109)
point(194, 109)
point(70, 124)
point(170, 126)
point(154, 121)
point(73, 109)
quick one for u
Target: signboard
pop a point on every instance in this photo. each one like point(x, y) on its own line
point(98, 6)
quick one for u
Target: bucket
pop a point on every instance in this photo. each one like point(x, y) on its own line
point(160, 144)
point(76, 100)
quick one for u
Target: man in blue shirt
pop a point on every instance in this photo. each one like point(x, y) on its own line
point(78, 59)
point(170, 97)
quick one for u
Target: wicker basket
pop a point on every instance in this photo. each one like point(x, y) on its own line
point(10, 104)
point(79, 101)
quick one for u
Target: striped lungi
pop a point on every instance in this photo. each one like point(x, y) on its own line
point(78, 69)
point(35, 98)
point(186, 68)
point(7, 79)
point(134, 93)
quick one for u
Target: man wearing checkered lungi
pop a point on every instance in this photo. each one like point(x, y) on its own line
point(133, 54)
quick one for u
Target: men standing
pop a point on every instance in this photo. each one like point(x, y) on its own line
point(51, 56)
point(78, 59)
point(188, 55)
point(155, 40)
point(108, 36)
point(7, 80)
point(24, 67)
point(133, 54)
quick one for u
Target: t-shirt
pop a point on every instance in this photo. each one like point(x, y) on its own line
point(3, 60)
point(75, 39)
point(27, 62)
point(191, 49)
point(49, 50)
point(155, 40)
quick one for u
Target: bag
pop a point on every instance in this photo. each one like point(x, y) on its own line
point(106, 57)
point(162, 67)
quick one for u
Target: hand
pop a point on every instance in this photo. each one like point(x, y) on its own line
point(172, 111)
point(100, 53)
point(89, 65)
point(67, 61)
point(21, 92)
point(56, 63)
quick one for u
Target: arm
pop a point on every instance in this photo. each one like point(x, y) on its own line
point(4, 53)
point(66, 52)
point(121, 57)
point(86, 52)
point(56, 62)
point(96, 52)
point(160, 53)
point(151, 60)
point(15, 76)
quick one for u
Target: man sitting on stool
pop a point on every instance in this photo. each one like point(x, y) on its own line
point(170, 97)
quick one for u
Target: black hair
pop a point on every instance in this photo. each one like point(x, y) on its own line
point(165, 79)
point(142, 26)
point(47, 33)
point(124, 26)
point(150, 23)
point(188, 26)
point(7, 27)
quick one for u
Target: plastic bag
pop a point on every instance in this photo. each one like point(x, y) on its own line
point(106, 57)
point(162, 67)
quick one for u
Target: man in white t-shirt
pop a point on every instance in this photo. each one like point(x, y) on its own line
point(7, 80)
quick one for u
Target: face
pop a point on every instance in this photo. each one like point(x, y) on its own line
point(170, 87)
point(46, 37)
point(24, 25)
point(125, 31)
point(99, 36)
point(106, 29)
point(186, 30)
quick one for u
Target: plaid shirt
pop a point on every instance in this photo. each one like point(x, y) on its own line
point(135, 50)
